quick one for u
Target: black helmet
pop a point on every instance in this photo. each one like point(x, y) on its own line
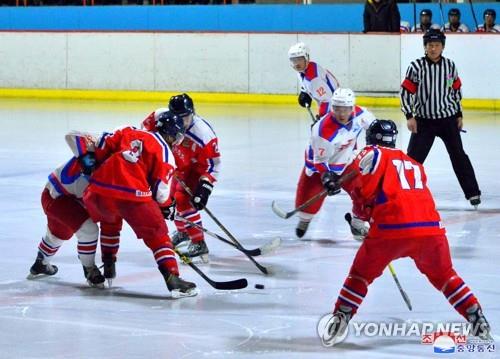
point(433, 35)
point(170, 124)
point(491, 12)
point(426, 12)
point(181, 105)
point(382, 132)
point(454, 12)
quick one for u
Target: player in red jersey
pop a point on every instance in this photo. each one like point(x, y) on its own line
point(133, 184)
point(404, 223)
point(197, 161)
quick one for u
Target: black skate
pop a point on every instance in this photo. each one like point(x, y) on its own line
point(41, 268)
point(198, 251)
point(336, 326)
point(480, 326)
point(301, 228)
point(180, 239)
point(109, 270)
point(177, 286)
point(94, 277)
point(475, 201)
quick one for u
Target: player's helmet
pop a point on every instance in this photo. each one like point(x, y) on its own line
point(490, 12)
point(427, 12)
point(181, 105)
point(170, 124)
point(299, 50)
point(434, 35)
point(454, 12)
point(343, 97)
point(382, 132)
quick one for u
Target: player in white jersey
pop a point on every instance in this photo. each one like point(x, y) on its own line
point(489, 17)
point(332, 144)
point(454, 24)
point(425, 23)
point(316, 82)
point(66, 216)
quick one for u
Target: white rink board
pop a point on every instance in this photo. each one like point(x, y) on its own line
point(229, 62)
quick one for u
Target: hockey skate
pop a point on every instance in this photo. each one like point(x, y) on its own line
point(94, 277)
point(336, 326)
point(480, 326)
point(359, 228)
point(41, 268)
point(178, 287)
point(180, 239)
point(198, 252)
point(301, 228)
point(109, 270)
point(475, 201)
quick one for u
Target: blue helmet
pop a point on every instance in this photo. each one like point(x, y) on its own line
point(170, 124)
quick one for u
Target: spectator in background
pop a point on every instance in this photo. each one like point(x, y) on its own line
point(404, 26)
point(381, 15)
point(489, 16)
point(454, 24)
point(425, 22)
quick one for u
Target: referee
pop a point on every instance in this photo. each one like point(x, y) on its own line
point(430, 100)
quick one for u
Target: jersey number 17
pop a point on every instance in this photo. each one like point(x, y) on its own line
point(403, 167)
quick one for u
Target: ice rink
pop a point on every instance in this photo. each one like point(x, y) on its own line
point(262, 150)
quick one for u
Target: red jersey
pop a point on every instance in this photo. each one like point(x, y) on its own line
point(394, 186)
point(198, 151)
point(135, 164)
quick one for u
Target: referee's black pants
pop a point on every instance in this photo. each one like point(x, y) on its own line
point(447, 129)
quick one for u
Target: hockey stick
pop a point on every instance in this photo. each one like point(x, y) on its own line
point(414, 15)
point(473, 14)
point(265, 249)
point(221, 226)
point(285, 215)
point(230, 285)
point(313, 118)
point(441, 11)
point(348, 219)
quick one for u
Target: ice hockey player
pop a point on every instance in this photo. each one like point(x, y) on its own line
point(198, 163)
point(425, 22)
point(132, 184)
point(489, 17)
point(316, 82)
point(453, 24)
point(66, 216)
point(390, 184)
point(331, 146)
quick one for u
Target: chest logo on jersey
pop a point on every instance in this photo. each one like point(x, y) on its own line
point(133, 154)
point(346, 145)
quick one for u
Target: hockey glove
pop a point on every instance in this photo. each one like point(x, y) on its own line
point(169, 211)
point(203, 191)
point(330, 182)
point(304, 99)
point(87, 163)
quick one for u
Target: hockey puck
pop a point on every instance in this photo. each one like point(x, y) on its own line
point(259, 286)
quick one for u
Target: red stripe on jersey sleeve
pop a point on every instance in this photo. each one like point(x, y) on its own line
point(409, 86)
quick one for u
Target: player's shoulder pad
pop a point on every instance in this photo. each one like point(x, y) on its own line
point(201, 131)
point(369, 159)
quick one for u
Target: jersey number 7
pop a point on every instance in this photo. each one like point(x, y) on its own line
point(402, 167)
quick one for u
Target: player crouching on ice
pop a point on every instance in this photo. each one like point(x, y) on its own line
point(67, 216)
point(197, 161)
point(404, 223)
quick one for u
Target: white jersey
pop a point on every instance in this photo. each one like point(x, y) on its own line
point(420, 29)
point(495, 28)
point(332, 144)
point(319, 84)
point(461, 28)
point(67, 180)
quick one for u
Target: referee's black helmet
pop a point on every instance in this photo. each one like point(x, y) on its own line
point(434, 35)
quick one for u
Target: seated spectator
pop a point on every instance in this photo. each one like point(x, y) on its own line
point(425, 22)
point(404, 26)
point(454, 24)
point(381, 15)
point(489, 17)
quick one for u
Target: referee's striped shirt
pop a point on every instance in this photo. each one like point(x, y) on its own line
point(431, 90)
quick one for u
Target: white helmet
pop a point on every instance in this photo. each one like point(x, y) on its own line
point(343, 97)
point(299, 50)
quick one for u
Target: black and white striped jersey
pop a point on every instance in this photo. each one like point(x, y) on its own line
point(431, 90)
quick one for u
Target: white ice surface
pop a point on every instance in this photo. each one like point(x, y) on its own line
point(262, 149)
